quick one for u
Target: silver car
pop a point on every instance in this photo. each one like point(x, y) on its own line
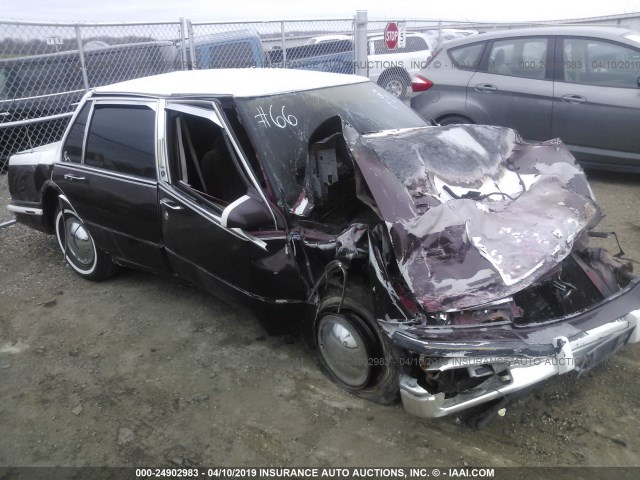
point(581, 84)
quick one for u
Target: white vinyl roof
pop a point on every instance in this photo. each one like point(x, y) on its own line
point(241, 82)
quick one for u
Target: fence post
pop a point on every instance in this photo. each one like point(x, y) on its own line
point(360, 43)
point(192, 50)
point(284, 47)
point(183, 44)
point(83, 65)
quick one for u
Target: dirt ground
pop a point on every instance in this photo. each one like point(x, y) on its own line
point(145, 371)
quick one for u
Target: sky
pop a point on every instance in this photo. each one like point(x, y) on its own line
point(217, 10)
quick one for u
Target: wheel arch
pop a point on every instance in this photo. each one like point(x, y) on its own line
point(441, 118)
point(49, 199)
point(435, 104)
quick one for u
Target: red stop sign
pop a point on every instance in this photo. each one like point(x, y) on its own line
point(391, 35)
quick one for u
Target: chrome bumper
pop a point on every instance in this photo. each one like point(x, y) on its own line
point(579, 354)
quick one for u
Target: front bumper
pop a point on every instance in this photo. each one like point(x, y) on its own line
point(579, 352)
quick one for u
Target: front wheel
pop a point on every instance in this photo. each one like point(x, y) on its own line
point(353, 351)
point(79, 249)
point(454, 120)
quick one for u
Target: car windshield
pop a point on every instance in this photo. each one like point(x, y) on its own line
point(281, 125)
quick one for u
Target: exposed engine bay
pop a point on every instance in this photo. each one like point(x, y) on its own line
point(480, 243)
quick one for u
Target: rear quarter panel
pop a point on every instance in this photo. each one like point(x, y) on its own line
point(448, 95)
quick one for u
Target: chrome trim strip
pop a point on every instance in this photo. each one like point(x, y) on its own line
point(64, 198)
point(24, 210)
point(86, 132)
point(153, 104)
point(634, 321)
point(161, 167)
point(195, 111)
point(109, 174)
point(272, 237)
point(7, 223)
point(230, 207)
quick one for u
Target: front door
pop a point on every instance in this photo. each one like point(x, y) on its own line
point(205, 172)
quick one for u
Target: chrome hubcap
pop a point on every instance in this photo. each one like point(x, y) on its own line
point(79, 242)
point(344, 350)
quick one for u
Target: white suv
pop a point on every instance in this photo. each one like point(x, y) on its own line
point(393, 69)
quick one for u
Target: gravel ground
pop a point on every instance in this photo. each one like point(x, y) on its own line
point(147, 371)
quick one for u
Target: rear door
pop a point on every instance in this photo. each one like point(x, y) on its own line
point(597, 100)
point(108, 173)
point(513, 86)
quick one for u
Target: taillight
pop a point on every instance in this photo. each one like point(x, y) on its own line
point(420, 84)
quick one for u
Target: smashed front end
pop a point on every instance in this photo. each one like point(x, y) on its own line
point(483, 248)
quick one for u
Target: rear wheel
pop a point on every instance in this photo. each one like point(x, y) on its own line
point(352, 350)
point(79, 249)
point(454, 120)
point(394, 83)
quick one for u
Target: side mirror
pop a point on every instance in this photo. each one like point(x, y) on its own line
point(638, 81)
point(247, 213)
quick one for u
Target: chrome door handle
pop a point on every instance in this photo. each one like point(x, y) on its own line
point(577, 99)
point(170, 204)
point(486, 87)
point(71, 178)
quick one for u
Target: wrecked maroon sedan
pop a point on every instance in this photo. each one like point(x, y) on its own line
point(448, 264)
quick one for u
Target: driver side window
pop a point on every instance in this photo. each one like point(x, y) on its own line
point(201, 160)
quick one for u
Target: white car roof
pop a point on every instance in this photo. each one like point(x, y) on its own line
point(240, 82)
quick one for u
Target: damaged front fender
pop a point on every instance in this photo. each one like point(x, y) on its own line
point(474, 213)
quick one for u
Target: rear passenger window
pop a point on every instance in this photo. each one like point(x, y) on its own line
point(519, 57)
point(593, 62)
point(122, 139)
point(467, 57)
point(72, 150)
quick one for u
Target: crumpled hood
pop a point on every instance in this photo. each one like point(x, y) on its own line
point(474, 213)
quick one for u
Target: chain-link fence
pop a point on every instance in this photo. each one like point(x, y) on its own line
point(46, 68)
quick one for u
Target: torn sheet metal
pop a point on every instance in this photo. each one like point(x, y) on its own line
point(474, 213)
point(351, 244)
